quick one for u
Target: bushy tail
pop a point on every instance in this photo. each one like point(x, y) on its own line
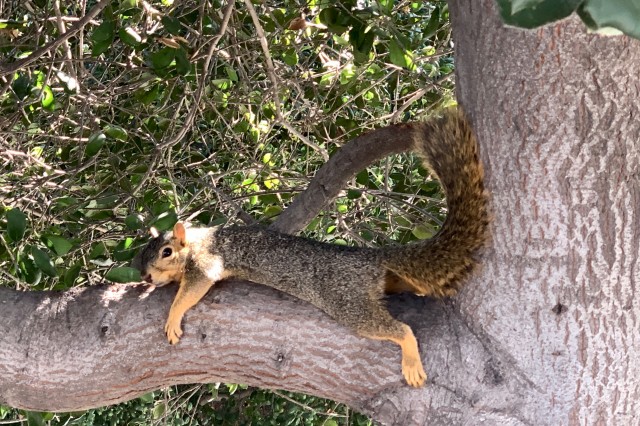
point(436, 266)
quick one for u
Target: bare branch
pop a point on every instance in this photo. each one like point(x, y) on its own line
point(333, 176)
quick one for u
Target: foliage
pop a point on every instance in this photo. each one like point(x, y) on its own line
point(203, 405)
point(605, 16)
point(159, 110)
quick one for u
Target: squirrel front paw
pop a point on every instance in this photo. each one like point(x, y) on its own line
point(173, 331)
point(413, 372)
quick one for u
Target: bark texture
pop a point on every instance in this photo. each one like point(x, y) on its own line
point(545, 334)
point(556, 111)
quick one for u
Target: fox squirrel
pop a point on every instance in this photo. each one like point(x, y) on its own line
point(348, 283)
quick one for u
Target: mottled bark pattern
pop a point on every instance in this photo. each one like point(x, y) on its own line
point(556, 111)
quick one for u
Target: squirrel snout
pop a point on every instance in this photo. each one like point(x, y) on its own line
point(148, 278)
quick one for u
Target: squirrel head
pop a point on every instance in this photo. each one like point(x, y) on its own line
point(162, 260)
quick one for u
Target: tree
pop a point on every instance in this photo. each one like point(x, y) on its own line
point(544, 334)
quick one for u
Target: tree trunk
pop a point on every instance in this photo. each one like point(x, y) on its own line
point(556, 111)
point(545, 333)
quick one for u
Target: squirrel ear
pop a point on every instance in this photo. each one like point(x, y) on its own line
point(154, 232)
point(180, 233)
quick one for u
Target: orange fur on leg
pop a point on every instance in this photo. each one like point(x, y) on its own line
point(186, 298)
point(412, 369)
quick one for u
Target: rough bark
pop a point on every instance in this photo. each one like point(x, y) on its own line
point(556, 111)
point(545, 334)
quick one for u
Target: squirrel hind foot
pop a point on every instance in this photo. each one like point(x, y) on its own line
point(402, 335)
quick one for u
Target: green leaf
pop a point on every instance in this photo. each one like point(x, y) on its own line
point(423, 231)
point(347, 74)
point(520, 5)
point(35, 419)
point(43, 262)
point(159, 410)
point(21, 86)
point(272, 211)
point(123, 274)
point(361, 38)
point(48, 100)
point(96, 141)
point(129, 36)
point(133, 222)
point(353, 194)
point(399, 56)
point(624, 15)
point(123, 251)
point(128, 4)
point(115, 132)
point(71, 274)
point(183, 65)
point(171, 24)
point(290, 57)
point(148, 96)
point(533, 13)
point(104, 31)
point(231, 73)
point(16, 224)
point(60, 245)
point(98, 250)
point(166, 221)
point(386, 6)
point(28, 270)
point(434, 23)
point(102, 37)
point(147, 398)
point(335, 19)
point(163, 58)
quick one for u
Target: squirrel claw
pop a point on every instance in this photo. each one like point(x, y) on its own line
point(414, 373)
point(173, 333)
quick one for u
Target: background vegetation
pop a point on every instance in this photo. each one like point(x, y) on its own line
point(209, 112)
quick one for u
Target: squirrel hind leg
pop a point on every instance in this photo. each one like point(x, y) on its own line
point(401, 334)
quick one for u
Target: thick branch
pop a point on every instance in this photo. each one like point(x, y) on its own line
point(97, 346)
point(335, 173)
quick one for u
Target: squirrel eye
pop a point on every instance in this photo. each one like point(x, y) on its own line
point(166, 252)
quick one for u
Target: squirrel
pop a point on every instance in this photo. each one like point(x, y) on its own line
point(348, 283)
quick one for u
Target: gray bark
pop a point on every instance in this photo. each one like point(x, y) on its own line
point(556, 111)
point(545, 333)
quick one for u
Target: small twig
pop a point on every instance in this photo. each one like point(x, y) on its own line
point(306, 407)
point(62, 29)
point(305, 140)
point(203, 79)
point(397, 113)
point(271, 73)
point(244, 216)
point(271, 70)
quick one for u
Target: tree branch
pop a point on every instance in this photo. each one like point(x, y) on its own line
point(102, 345)
point(354, 156)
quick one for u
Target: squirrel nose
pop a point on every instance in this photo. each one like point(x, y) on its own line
point(148, 278)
